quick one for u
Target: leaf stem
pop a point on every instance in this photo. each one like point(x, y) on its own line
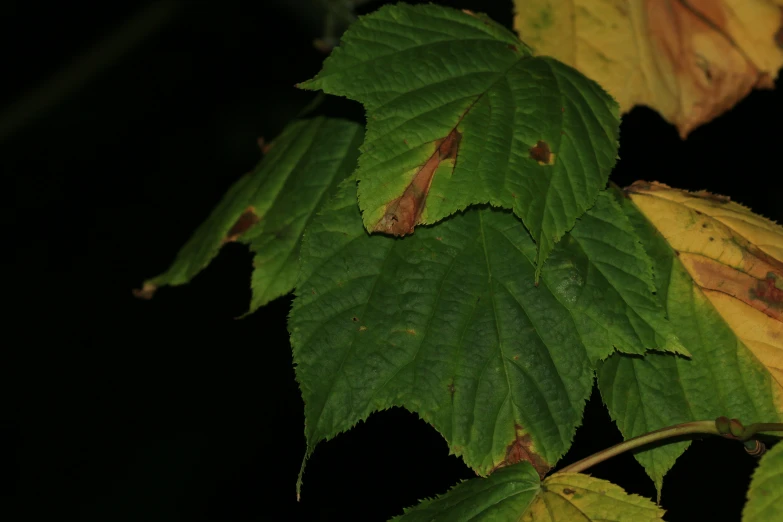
point(709, 427)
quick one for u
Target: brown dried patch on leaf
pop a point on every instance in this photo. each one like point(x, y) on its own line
point(761, 294)
point(242, 225)
point(264, 146)
point(404, 213)
point(146, 292)
point(522, 449)
point(542, 153)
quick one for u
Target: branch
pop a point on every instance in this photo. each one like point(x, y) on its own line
point(727, 428)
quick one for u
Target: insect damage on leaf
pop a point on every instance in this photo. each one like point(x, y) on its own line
point(521, 449)
point(246, 220)
point(404, 213)
point(542, 153)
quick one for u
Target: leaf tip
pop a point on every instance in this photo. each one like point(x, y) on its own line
point(146, 292)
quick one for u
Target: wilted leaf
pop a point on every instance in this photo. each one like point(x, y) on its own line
point(717, 272)
point(516, 494)
point(449, 324)
point(269, 208)
point(691, 61)
point(459, 113)
point(765, 496)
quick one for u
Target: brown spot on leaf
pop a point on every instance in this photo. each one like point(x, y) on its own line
point(146, 291)
point(542, 154)
point(410, 331)
point(404, 213)
point(513, 47)
point(522, 449)
point(362, 328)
point(242, 225)
point(717, 198)
point(516, 357)
point(355, 319)
point(264, 146)
point(767, 290)
point(568, 491)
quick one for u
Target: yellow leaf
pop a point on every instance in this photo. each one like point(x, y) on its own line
point(574, 496)
point(690, 60)
point(734, 256)
point(516, 493)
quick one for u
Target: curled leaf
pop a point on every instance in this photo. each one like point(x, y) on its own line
point(691, 60)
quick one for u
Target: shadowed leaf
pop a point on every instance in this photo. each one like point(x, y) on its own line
point(269, 208)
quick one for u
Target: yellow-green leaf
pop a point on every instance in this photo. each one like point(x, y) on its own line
point(733, 256)
point(765, 496)
point(718, 271)
point(690, 61)
point(516, 494)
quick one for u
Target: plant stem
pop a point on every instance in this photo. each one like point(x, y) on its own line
point(689, 428)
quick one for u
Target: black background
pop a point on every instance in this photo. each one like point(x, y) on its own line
point(119, 409)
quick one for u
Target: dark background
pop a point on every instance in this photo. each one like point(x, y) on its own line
point(119, 409)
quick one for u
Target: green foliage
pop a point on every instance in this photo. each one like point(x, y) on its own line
point(765, 496)
point(426, 74)
point(448, 323)
point(269, 208)
point(501, 158)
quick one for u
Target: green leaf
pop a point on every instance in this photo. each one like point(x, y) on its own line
point(723, 377)
point(449, 324)
point(459, 112)
point(269, 208)
point(765, 496)
point(515, 494)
